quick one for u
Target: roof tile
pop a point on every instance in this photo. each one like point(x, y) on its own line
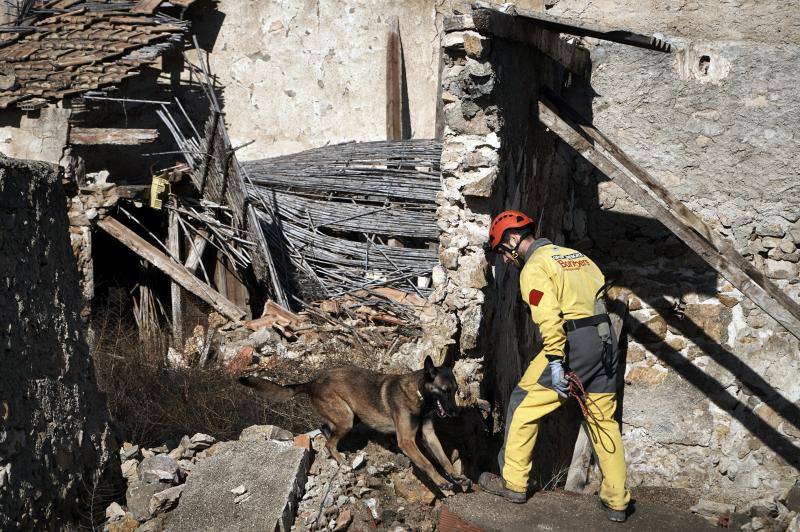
point(79, 50)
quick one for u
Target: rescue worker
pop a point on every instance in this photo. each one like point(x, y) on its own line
point(566, 294)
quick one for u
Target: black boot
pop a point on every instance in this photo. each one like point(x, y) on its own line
point(496, 485)
point(618, 516)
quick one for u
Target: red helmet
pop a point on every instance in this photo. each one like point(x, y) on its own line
point(504, 221)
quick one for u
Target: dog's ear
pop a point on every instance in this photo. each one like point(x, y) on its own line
point(430, 368)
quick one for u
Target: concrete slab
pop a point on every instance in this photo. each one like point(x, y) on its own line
point(562, 511)
point(272, 473)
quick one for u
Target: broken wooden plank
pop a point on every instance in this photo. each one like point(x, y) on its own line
point(257, 232)
point(394, 81)
point(498, 24)
point(273, 309)
point(227, 283)
point(727, 267)
point(172, 269)
point(578, 473)
point(196, 248)
point(394, 295)
point(110, 135)
point(174, 247)
point(722, 245)
point(565, 25)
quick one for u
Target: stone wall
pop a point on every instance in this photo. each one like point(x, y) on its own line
point(299, 75)
point(39, 135)
point(495, 156)
point(711, 402)
point(55, 441)
point(723, 20)
point(712, 399)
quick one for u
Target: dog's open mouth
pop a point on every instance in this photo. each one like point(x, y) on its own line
point(440, 409)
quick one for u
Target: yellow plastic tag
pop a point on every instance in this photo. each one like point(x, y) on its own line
point(158, 187)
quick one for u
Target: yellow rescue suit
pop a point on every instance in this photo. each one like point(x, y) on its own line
point(560, 285)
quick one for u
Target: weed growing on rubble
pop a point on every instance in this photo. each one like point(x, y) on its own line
point(151, 402)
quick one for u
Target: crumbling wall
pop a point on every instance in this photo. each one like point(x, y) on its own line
point(495, 156)
point(712, 400)
point(712, 396)
point(726, 20)
point(306, 74)
point(39, 135)
point(55, 441)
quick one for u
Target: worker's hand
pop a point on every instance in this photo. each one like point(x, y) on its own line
point(560, 382)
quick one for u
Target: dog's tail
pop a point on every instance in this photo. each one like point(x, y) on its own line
point(271, 391)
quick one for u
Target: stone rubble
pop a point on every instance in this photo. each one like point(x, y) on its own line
point(377, 489)
point(767, 514)
point(364, 494)
point(159, 468)
point(155, 478)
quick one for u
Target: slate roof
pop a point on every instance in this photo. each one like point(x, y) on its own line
point(85, 46)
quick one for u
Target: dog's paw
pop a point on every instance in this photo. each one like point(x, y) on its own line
point(446, 487)
point(463, 482)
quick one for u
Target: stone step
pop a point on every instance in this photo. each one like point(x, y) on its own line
point(560, 511)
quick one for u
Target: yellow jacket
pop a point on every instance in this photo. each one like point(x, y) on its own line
point(559, 284)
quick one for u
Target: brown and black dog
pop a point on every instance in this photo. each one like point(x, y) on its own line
point(400, 404)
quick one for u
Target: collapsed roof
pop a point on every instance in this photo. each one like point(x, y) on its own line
point(67, 47)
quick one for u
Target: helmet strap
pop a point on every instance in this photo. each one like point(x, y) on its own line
point(522, 236)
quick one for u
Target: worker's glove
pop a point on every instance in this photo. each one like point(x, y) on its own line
point(560, 382)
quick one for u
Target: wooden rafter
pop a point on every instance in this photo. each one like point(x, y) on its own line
point(108, 135)
point(671, 212)
point(174, 270)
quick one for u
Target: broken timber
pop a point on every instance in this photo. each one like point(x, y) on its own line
point(394, 91)
point(196, 248)
point(565, 25)
point(110, 135)
point(673, 214)
point(174, 270)
point(174, 247)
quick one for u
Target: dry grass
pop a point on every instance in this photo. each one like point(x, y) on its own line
point(152, 403)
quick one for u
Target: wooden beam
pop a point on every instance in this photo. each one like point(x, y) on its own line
point(394, 82)
point(439, 121)
point(174, 247)
point(196, 248)
point(688, 217)
point(172, 269)
point(497, 24)
point(109, 135)
point(257, 234)
point(228, 283)
point(564, 25)
point(725, 262)
point(578, 473)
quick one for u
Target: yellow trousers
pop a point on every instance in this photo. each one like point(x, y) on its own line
point(530, 402)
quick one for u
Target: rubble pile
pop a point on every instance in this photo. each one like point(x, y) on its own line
point(378, 489)
point(779, 513)
point(373, 329)
point(155, 481)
